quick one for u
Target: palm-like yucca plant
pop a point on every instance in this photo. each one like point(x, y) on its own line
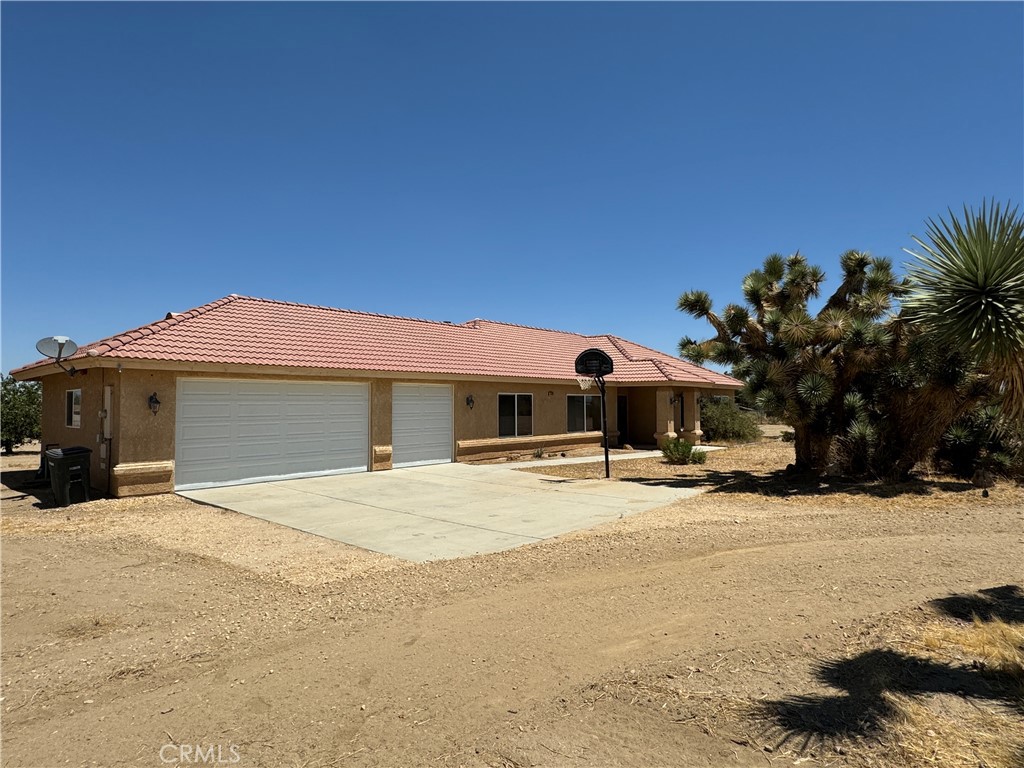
point(969, 290)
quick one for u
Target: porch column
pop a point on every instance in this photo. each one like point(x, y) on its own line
point(664, 416)
point(612, 393)
point(691, 416)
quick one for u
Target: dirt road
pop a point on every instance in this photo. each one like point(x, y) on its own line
point(123, 643)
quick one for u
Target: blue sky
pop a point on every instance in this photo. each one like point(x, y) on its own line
point(574, 166)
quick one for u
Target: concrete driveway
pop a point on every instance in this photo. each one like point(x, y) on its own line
point(439, 511)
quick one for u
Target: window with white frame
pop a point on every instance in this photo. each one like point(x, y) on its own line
point(515, 415)
point(73, 408)
point(583, 413)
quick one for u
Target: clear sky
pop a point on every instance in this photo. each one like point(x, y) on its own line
point(573, 166)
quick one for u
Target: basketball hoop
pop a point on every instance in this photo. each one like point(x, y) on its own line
point(592, 365)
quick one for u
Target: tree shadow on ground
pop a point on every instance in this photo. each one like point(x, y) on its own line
point(782, 484)
point(1005, 603)
point(865, 706)
point(22, 484)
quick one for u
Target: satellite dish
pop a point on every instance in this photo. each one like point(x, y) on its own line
point(58, 347)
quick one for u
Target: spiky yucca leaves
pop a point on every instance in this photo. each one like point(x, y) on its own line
point(969, 289)
point(797, 366)
point(915, 390)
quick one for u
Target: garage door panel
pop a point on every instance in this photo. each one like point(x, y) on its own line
point(243, 431)
point(259, 430)
point(211, 452)
point(421, 424)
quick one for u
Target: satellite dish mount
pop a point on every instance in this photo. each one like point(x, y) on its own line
point(593, 365)
point(59, 348)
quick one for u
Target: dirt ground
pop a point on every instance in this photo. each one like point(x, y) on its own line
point(760, 623)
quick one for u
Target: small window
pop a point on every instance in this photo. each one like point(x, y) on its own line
point(515, 415)
point(73, 408)
point(584, 413)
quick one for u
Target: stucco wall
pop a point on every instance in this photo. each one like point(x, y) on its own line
point(144, 436)
point(549, 407)
point(90, 433)
point(142, 459)
point(380, 424)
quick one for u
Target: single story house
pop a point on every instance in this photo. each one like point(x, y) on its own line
point(246, 389)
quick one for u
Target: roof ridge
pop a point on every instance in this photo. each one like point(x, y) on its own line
point(529, 327)
point(700, 371)
point(658, 359)
point(661, 367)
point(174, 318)
point(615, 343)
point(445, 323)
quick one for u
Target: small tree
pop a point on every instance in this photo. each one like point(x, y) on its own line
point(20, 412)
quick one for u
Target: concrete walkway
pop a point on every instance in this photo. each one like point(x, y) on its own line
point(440, 511)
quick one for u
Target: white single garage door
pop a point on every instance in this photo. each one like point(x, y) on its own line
point(421, 424)
point(230, 432)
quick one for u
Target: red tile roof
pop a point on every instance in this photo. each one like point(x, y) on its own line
point(241, 330)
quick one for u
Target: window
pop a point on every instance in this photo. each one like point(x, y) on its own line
point(73, 408)
point(584, 413)
point(515, 415)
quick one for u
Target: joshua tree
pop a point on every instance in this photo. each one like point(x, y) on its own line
point(798, 367)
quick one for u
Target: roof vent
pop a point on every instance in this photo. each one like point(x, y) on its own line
point(171, 314)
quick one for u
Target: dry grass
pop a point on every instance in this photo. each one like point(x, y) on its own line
point(888, 708)
point(949, 730)
point(995, 644)
point(923, 736)
point(946, 731)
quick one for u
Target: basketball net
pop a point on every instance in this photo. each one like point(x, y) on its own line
point(585, 382)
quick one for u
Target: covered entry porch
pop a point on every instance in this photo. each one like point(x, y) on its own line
point(647, 416)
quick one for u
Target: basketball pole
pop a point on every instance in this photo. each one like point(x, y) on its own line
point(604, 426)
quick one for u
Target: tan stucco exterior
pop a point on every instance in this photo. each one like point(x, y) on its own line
point(139, 456)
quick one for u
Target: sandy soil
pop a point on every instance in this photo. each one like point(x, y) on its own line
point(690, 635)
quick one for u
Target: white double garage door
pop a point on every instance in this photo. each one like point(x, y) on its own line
point(244, 431)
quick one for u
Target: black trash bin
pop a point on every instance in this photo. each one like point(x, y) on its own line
point(69, 472)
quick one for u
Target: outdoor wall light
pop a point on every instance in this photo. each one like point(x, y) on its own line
point(154, 404)
point(470, 401)
point(673, 400)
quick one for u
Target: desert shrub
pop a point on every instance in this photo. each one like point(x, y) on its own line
point(679, 451)
point(788, 436)
point(721, 420)
point(982, 440)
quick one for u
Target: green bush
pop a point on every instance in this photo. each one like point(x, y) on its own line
point(721, 421)
point(679, 451)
